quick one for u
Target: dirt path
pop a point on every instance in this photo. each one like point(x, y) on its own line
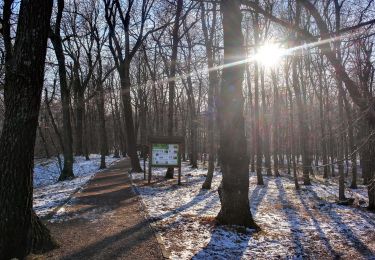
point(104, 221)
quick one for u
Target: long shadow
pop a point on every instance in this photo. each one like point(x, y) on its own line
point(201, 196)
point(257, 196)
point(102, 187)
point(322, 235)
point(109, 196)
point(116, 245)
point(367, 218)
point(344, 230)
point(293, 219)
point(209, 204)
point(223, 244)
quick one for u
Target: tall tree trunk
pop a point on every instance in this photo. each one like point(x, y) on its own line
point(266, 131)
point(234, 188)
point(79, 116)
point(67, 172)
point(323, 139)
point(128, 114)
point(276, 126)
point(341, 137)
point(21, 230)
point(212, 81)
point(371, 166)
point(352, 146)
point(172, 74)
point(257, 136)
point(303, 127)
point(102, 130)
point(340, 147)
point(44, 142)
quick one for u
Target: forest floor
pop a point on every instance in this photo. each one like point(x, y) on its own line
point(104, 220)
point(49, 194)
point(306, 224)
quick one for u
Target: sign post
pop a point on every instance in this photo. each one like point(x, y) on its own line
point(165, 151)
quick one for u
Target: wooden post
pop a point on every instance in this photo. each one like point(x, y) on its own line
point(179, 164)
point(149, 163)
point(144, 164)
point(179, 174)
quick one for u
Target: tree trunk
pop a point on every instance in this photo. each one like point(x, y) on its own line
point(371, 165)
point(67, 172)
point(172, 74)
point(303, 126)
point(79, 114)
point(340, 147)
point(102, 130)
point(234, 188)
point(266, 131)
point(212, 81)
point(21, 231)
point(45, 145)
point(128, 113)
point(257, 137)
point(323, 138)
point(276, 126)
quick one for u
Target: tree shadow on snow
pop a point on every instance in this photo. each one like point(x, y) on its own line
point(293, 219)
point(225, 243)
point(231, 242)
point(341, 227)
point(322, 234)
point(257, 196)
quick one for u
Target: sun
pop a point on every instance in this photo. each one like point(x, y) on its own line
point(269, 54)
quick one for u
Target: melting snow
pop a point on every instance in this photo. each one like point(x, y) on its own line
point(49, 193)
point(295, 224)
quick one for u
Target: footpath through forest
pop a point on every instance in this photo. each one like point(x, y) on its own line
point(104, 221)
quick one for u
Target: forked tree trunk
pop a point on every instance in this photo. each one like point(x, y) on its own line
point(234, 188)
point(21, 230)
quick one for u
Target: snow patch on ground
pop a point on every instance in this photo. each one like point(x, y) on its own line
point(49, 193)
point(295, 224)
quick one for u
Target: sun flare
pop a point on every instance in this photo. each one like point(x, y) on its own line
point(269, 54)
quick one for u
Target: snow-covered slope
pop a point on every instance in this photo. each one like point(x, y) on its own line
point(48, 193)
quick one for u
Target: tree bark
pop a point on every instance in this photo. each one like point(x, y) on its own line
point(56, 40)
point(303, 127)
point(276, 126)
point(257, 137)
point(128, 113)
point(234, 188)
point(102, 130)
point(212, 81)
point(172, 74)
point(21, 231)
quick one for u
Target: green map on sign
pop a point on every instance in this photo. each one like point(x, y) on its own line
point(165, 154)
point(160, 146)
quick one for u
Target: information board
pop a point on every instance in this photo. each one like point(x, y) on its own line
point(165, 151)
point(165, 154)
